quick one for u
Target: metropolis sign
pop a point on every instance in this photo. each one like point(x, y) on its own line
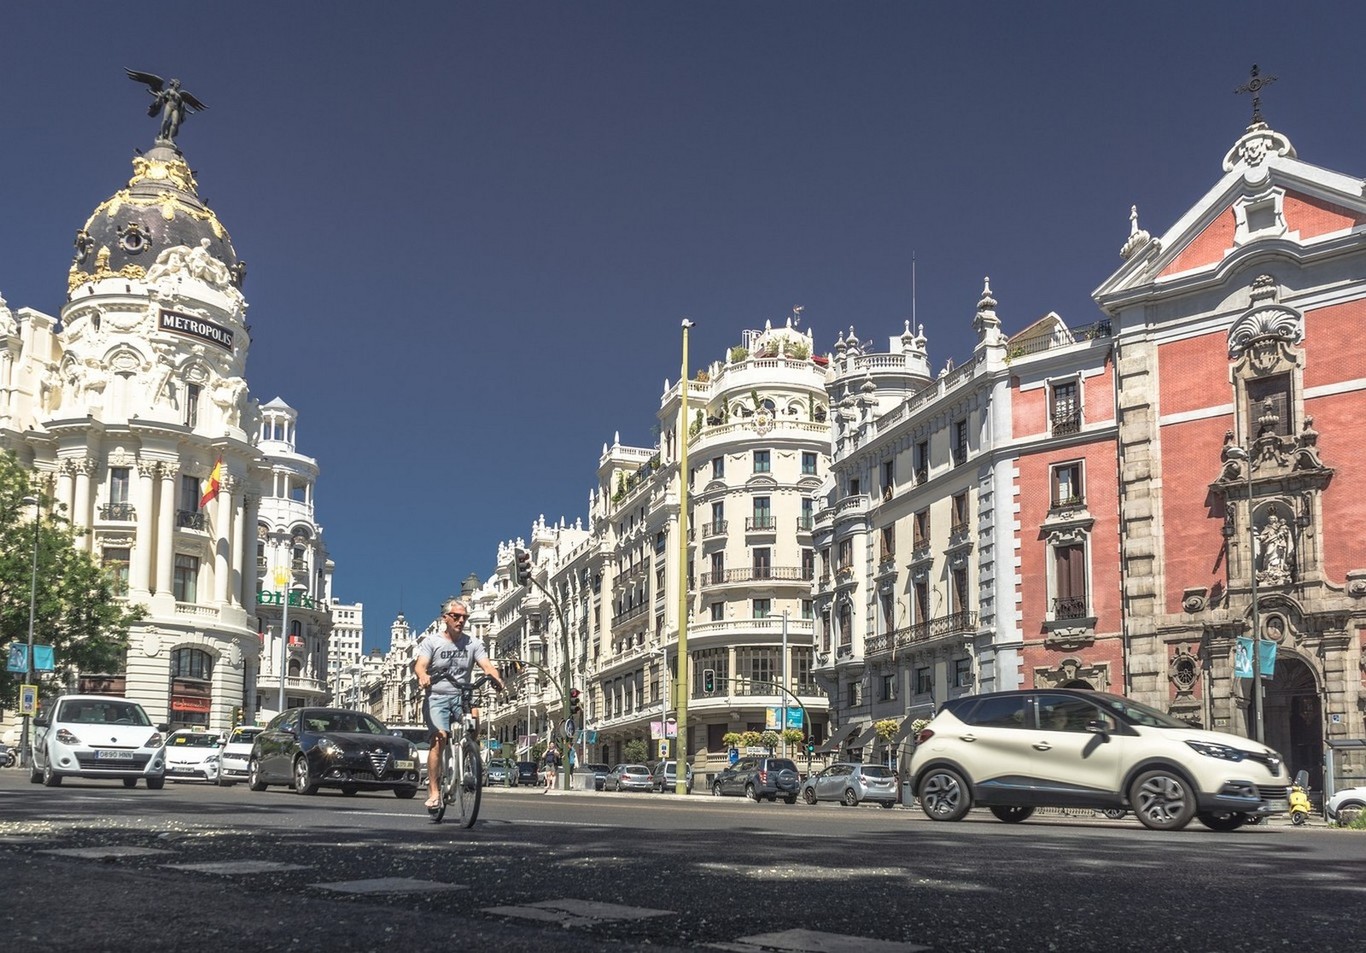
point(190, 326)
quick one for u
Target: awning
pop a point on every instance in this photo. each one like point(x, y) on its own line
point(905, 731)
point(837, 738)
point(864, 736)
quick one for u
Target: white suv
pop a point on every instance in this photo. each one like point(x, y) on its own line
point(1015, 751)
point(97, 736)
point(236, 757)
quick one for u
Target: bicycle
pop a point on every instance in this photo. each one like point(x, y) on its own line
point(460, 777)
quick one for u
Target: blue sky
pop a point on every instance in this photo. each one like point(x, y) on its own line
point(473, 228)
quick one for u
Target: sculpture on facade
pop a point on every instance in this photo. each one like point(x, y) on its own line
point(173, 102)
point(1275, 545)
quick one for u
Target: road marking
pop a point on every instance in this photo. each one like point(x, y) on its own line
point(783, 872)
point(813, 941)
point(230, 867)
point(102, 853)
point(390, 885)
point(570, 912)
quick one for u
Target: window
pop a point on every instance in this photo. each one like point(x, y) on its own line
point(846, 623)
point(1069, 579)
point(189, 494)
point(718, 611)
point(761, 461)
point(660, 541)
point(763, 515)
point(763, 562)
point(888, 603)
point(718, 513)
point(959, 521)
point(825, 562)
point(808, 564)
point(1064, 408)
point(887, 547)
point(763, 608)
point(186, 581)
point(920, 529)
point(854, 486)
point(924, 683)
point(922, 461)
point(191, 405)
point(997, 711)
point(1069, 713)
point(959, 578)
point(808, 609)
point(1066, 480)
point(808, 518)
point(888, 483)
point(855, 694)
point(888, 693)
point(1266, 399)
point(960, 443)
point(845, 558)
point(118, 485)
point(922, 601)
point(718, 467)
point(808, 463)
point(962, 673)
point(718, 566)
point(191, 663)
point(115, 562)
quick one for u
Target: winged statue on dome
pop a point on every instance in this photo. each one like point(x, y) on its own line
point(175, 103)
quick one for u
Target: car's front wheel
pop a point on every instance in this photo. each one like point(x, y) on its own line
point(130, 782)
point(944, 795)
point(405, 793)
point(51, 778)
point(155, 784)
point(1349, 811)
point(303, 777)
point(809, 795)
point(1222, 821)
point(1162, 800)
point(1012, 815)
point(254, 776)
point(349, 790)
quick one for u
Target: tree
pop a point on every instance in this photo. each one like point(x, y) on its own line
point(635, 751)
point(76, 610)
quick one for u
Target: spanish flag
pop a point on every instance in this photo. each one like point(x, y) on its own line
point(213, 484)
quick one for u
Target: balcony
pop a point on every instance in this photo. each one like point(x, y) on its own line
point(756, 574)
point(1070, 608)
point(717, 528)
point(805, 524)
point(960, 454)
point(1068, 500)
point(118, 512)
point(878, 645)
point(922, 474)
point(634, 612)
point(189, 519)
point(953, 624)
point(1066, 421)
point(760, 524)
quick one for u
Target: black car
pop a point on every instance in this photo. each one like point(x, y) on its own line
point(528, 773)
point(599, 774)
point(309, 748)
point(759, 778)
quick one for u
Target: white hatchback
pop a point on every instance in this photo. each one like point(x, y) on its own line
point(235, 759)
point(97, 736)
point(193, 756)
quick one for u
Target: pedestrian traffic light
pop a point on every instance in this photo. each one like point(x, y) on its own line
point(574, 705)
point(708, 680)
point(522, 567)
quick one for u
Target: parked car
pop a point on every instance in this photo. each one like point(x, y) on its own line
point(759, 778)
point(97, 736)
point(852, 784)
point(528, 773)
point(310, 748)
point(664, 777)
point(235, 758)
point(1346, 806)
point(599, 774)
point(497, 771)
point(627, 777)
point(421, 737)
point(193, 756)
point(1015, 751)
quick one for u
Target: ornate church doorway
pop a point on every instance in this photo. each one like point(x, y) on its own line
point(1293, 717)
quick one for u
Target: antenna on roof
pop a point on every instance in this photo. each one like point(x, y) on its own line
point(913, 287)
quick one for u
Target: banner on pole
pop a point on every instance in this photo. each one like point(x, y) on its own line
point(1242, 658)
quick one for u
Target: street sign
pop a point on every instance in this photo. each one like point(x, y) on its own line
point(569, 728)
point(664, 748)
point(28, 699)
point(733, 756)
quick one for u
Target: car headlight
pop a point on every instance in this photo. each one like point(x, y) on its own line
point(330, 748)
point(155, 741)
point(67, 738)
point(211, 759)
point(1222, 752)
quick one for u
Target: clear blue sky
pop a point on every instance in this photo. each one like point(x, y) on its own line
point(472, 229)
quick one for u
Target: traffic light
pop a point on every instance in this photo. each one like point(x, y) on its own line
point(708, 680)
point(810, 748)
point(574, 706)
point(237, 716)
point(522, 567)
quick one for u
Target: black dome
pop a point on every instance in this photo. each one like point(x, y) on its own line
point(159, 209)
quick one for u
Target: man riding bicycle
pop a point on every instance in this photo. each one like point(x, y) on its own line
point(444, 661)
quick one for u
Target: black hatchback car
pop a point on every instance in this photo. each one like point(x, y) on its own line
point(527, 773)
point(309, 748)
point(759, 778)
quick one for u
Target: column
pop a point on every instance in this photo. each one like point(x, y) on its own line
point(80, 503)
point(226, 535)
point(166, 528)
point(140, 570)
point(247, 572)
point(65, 486)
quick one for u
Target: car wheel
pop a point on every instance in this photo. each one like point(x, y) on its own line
point(405, 793)
point(809, 795)
point(349, 790)
point(790, 800)
point(130, 782)
point(752, 794)
point(1162, 800)
point(888, 804)
point(1012, 815)
point(1222, 821)
point(254, 776)
point(303, 777)
point(51, 778)
point(716, 789)
point(944, 795)
point(850, 797)
point(35, 776)
point(155, 784)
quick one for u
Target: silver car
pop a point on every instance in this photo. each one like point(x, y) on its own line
point(852, 784)
point(627, 777)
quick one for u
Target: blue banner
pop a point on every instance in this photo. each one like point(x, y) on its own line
point(42, 658)
point(1242, 658)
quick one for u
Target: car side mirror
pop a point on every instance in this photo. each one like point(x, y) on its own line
point(164, 728)
point(40, 721)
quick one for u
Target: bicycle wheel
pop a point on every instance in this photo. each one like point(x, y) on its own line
point(444, 764)
point(469, 786)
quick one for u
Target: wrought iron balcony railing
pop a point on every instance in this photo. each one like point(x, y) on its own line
point(1070, 608)
point(760, 523)
point(955, 623)
point(118, 512)
point(189, 519)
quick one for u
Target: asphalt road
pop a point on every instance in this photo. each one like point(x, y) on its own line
point(92, 866)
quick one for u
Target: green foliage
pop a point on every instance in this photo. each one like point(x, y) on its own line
point(796, 350)
point(635, 751)
point(750, 738)
point(75, 610)
point(794, 736)
point(769, 739)
point(732, 739)
point(738, 354)
point(887, 729)
point(696, 427)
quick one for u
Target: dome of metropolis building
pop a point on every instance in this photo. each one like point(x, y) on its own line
point(159, 210)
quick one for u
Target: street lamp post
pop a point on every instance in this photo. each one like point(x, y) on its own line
point(681, 740)
point(1258, 726)
point(282, 579)
point(36, 503)
point(782, 722)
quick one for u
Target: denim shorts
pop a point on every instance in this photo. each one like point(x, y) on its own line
point(442, 711)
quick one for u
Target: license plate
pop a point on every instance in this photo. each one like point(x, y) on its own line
point(404, 765)
point(1278, 805)
point(178, 770)
point(107, 754)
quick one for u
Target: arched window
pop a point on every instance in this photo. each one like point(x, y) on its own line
point(192, 663)
point(295, 668)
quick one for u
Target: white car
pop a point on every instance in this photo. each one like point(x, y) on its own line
point(235, 758)
point(1346, 806)
point(97, 736)
point(421, 737)
point(1016, 751)
point(193, 756)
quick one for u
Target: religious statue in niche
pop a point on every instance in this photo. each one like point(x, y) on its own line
point(1275, 549)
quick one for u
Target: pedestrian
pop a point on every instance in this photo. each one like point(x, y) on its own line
point(549, 764)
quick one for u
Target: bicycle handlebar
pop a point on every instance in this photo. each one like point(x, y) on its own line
point(477, 683)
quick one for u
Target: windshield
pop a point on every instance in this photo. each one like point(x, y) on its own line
point(1134, 713)
point(243, 735)
point(195, 741)
point(102, 712)
point(418, 736)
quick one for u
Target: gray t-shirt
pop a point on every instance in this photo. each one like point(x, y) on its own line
point(458, 658)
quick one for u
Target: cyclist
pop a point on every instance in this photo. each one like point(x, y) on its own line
point(444, 663)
